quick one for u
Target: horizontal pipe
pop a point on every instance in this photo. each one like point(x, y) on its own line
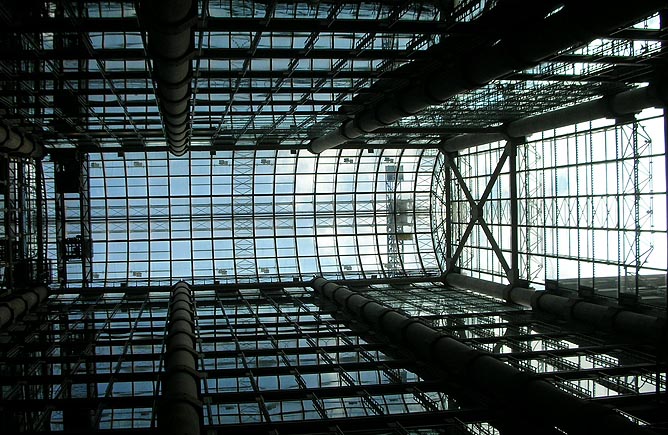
point(12, 142)
point(480, 371)
point(17, 305)
point(622, 104)
point(529, 45)
point(615, 106)
point(180, 410)
point(517, 295)
point(640, 326)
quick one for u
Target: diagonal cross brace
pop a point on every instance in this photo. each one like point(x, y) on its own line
point(476, 212)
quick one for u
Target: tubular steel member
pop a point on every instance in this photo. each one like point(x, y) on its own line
point(180, 409)
point(522, 49)
point(505, 385)
point(615, 106)
point(641, 326)
point(170, 26)
point(15, 143)
point(19, 304)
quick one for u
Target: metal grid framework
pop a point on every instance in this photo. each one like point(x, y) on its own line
point(272, 358)
point(247, 217)
point(274, 74)
point(576, 361)
point(590, 210)
point(276, 358)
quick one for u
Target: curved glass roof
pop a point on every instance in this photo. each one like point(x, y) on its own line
point(259, 215)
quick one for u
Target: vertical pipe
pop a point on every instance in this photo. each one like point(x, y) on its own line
point(180, 409)
point(170, 25)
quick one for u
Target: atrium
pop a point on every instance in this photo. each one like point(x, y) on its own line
point(333, 217)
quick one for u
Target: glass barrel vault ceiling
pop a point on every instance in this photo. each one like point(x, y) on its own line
point(256, 215)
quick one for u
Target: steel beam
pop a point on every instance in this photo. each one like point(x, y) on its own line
point(505, 386)
point(41, 221)
point(262, 286)
point(248, 24)
point(85, 221)
point(448, 209)
point(514, 275)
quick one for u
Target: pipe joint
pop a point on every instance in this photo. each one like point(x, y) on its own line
point(171, 60)
point(172, 332)
point(181, 368)
point(535, 299)
point(11, 310)
point(403, 329)
point(468, 359)
point(170, 399)
point(609, 317)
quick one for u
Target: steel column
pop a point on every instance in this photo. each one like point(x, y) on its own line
point(511, 147)
point(8, 221)
point(41, 217)
point(448, 209)
point(85, 222)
